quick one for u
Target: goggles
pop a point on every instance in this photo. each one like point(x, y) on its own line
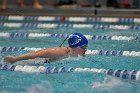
point(84, 46)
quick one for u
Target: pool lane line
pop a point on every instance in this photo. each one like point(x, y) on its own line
point(68, 25)
point(123, 74)
point(92, 37)
point(70, 19)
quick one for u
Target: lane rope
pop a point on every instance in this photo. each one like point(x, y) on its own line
point(68, 25)
point(123, 74)
point(93, 37)
point(70, 19)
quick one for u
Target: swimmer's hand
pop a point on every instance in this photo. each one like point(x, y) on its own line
point(10, 59)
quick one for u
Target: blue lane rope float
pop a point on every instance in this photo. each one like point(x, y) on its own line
point(93, 52)
point(71, 19)
point(93, 37)
point(65, 25)
point(123, 74)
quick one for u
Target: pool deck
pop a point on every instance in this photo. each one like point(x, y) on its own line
point(72, 11)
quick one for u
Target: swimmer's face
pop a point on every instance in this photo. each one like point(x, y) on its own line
point(81, 50)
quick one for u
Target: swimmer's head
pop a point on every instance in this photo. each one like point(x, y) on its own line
point(76, 40)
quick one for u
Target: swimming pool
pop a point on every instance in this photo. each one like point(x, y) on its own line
point(113, 44)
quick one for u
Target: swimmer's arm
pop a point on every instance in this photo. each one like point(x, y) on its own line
point(44, 53)
point(31, 55)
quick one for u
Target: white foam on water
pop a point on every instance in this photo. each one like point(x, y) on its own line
point(108, 83)
point(31, 61)
point(5, 92)
point(115, 85)
point(43, 87)
point(2, 60)
point(73, 58)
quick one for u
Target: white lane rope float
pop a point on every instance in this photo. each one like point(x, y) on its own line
point(68, 25)
point(92, 52)
point(124, 74)
point(93, 37)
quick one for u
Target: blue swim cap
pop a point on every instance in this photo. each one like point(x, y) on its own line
point(76, 40)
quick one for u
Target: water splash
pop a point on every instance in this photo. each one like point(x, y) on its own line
point(115, 85)
point(1, 60)
point(73, 58)
point(44, 87)
point(36, 61)
point(108, 83)
point(5, 92)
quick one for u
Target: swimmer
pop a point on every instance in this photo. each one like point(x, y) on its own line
point(77, 46)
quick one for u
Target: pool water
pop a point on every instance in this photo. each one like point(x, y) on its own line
point(72, 82)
